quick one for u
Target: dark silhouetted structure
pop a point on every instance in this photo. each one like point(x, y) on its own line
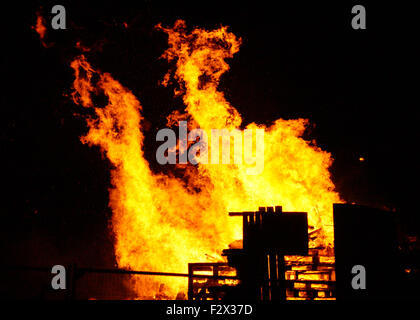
point(369, 237)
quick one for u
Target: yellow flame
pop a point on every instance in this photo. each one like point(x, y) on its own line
point(161, 223)
point(295, 174)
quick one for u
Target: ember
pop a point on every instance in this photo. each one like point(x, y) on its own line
point(40, 28)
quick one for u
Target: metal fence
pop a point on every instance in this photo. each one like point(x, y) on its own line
point(24, 282)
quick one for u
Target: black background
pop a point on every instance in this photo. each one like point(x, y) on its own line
point(358, 88)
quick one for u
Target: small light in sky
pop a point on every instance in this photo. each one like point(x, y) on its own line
point(361, 159)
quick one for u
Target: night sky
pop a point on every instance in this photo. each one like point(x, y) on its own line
point(358, 88)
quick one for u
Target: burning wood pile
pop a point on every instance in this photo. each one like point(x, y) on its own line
point(263, 264)
point(310, 277)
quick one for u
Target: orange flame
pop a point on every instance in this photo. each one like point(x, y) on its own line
point(161, 223)
point(40, 28)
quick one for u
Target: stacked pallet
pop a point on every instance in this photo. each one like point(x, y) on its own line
point(210, 281)
point(310, 277)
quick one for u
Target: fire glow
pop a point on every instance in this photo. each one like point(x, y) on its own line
point(40, 28)
point(161, 223)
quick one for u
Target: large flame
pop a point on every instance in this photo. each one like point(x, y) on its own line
point(161, 223)
point(295, 174)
